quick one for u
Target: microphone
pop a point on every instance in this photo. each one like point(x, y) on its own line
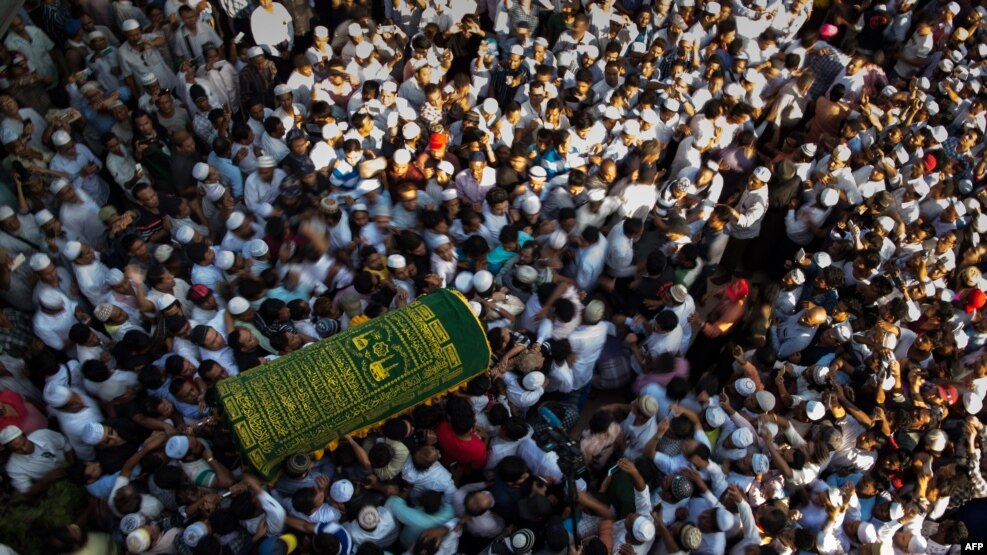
point(550, 417)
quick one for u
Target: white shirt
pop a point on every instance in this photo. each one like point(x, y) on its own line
point(256, 191)
point(620, 252)
point(50, 448)
point(434, 478)
point(271, 28)
point(587, 344)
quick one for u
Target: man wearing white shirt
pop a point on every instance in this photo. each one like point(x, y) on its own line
point(587, 345)
point(272, 28)
point(423, 472)
point(262, 186)
point(35, 459)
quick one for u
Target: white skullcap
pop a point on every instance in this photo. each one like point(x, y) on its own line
point(643, 529)
point(163, 253)
point(177, 447)
point(597, 195)
point(225, 260)
point(631, 128)
point(829, 197)
point(822, 259)
point(184, 234)
point(389, 86)
point(396, 261)
point(446, 166)
point(531, 205)
point(760, 463)
point(51, 300)
point(255, 51)
point(39, 261)
point(281, 89)
point(341, 491)
point(410, 130)
point(215, 191)
point(712, 8)
point(448, 194)
point(321, 32)
point(842, 153)
point(235, 220)
point(742, 438)
point(745, 386)
point(164, 301)
point(649, 116)
point(750, 75)
point(734, 90)
point(61, 138)
point(92, 433)
point(935, 439)
point(940, 134)
point(131, 522)
point(611, 112)
point(194, 533)
point(57, 185)
point(526, 274)
point(476, 307)
point(354, 29)
point(129, 25)
point(364, 50)
point(765, 400)
point(237, 306)
point(148, 78)
point(464, 282)
point(114, 276)
point(402, 156)
point(258, 248)
point(670, 104)
point(367, 186)
point(72, 250)
point(266, 162)
point(533, 380)
point(537, 172)
point(558, 239)
point(762, 174)
point(482, 281)
point(200, 171)
point(715, 416)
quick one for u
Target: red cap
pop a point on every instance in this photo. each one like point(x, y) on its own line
point(437, 141)
point(198, 293)
point(738, 290)
point(976, 299)
point(948, 394)
point(828, 31)
point(930, 162)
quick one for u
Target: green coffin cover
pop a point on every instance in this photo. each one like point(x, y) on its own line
point(348, 383)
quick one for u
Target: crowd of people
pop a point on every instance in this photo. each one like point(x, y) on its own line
point(733, 246)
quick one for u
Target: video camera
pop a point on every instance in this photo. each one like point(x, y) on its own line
point(553, 438)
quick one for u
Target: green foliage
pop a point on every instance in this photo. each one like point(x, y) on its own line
point(24, 521)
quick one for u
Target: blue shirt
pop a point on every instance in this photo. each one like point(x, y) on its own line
point(229, 174)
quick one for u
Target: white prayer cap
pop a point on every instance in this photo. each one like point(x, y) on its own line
point(814, 410)
point(354, 29)
point(235, 220)
point(533, 380)
point(842, 153)
point(940, 134)
point(631, 128)
point(742, 438)
point(724, 518)
point(177, 447)
point(57, 185)
point(43, 216)
point(389, 86)
point(972, 402)
point(215, 191)
point(266, 162)
point(148, 78)
point(364, 50)
point(611, 112)
point(72, 250)
point(745, 386)
point(281, 89)
point(448, 194)
point(446, 166)
point(537, 172)
point(829, 197)
point(6, 212)
point(321, 32)
point(61, 138)
point(237, 306)
point(649, 116)
point(92, 433)
point(597, 195)
point(517, 50)
point(225, 259)
point(330, 131)
point(712, 8)
point(762, 174)
point(396, 261)
point(715, 416)
point(531, 205)
point(402, 156)
point(39, 261)
point(255, 51)
point(165, 301)
point(643, 529)
point(750, 75)
point(410, 130)
point(200, 170)
point(258, 248)
point(482, 281)
point(130, 25)
point(464, 282)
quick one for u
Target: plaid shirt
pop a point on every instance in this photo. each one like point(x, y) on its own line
point(826, 68)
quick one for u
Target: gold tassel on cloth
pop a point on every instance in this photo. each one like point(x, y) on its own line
point(349, 383)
